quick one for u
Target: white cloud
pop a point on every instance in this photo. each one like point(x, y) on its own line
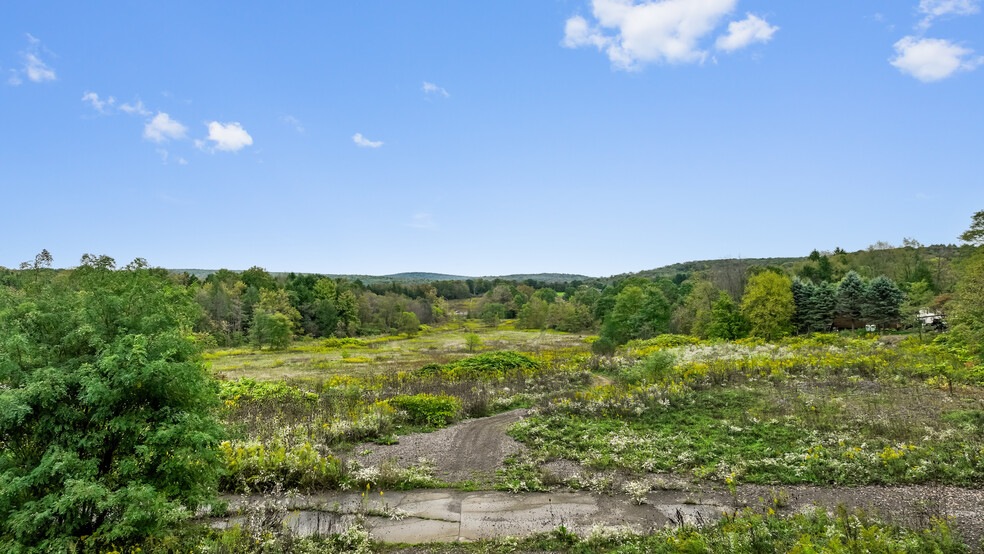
point(745, 32)
point(666, 31)
point(182, 161)
point(431, 88)
point(293, 122)
point(163, 154)
point(940, 8)
point(364, 142)
point(423, 220)
point(37, 70)
point(162, 127)
point(97, 104)
point(932, 59)
point(137, 108)
point(32, 66)
point(229, 137)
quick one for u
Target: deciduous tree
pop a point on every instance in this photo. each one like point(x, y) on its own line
point(768, 305)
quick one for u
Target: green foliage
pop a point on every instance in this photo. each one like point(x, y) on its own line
point(105, 411)
point(850, 298)
point(653, 368)
point(604, 346)
point(490, 365)
point(968, 313)
point(407, 323)
point(428, 409)
point(639, 312)
point(492, 313)
point(883, 302)
point(272, 329)
point(768, 305)
point(726, 320)
point(473, 342)
point(975, 234)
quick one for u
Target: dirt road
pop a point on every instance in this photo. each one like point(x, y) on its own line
point(470, 450)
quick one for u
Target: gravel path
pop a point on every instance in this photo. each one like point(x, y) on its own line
point(470, 450)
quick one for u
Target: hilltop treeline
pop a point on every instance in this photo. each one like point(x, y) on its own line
point(883, 285)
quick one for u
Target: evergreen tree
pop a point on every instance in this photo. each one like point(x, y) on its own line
point(802, 299)
point(883, 302)
point(850, 298)
point(106, 414)
point(822, 303)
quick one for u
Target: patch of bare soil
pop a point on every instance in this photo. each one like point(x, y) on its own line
point(470, 450)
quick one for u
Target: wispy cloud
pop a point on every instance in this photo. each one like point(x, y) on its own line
point(431, 88)
point(364, 142)
point(162, 128)
point(933, 59)
point(32, 66)
point(422, 220)
point(934, 9)
point(229, 137)
point(137, 108)
point(293, 122)
point(101, 106)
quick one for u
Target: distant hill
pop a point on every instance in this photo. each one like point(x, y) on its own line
point(417, 277)
point(671, 270)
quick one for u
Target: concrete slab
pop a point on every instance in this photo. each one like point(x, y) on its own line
point(413, 530)
point(495, 514)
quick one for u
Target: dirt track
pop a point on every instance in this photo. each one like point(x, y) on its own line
point(470, 450)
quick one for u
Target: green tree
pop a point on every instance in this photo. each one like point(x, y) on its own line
point(639, 312)
point(975, 235)
point(533, 315)
point(850, 298)
point(473, 342)
point(271, 329)
point(106, 415)
point(492, 312)
point(694, 315)
point(883, 302)
point(968, 306)
point(726, 321)
point(768, 305)
point(407, 323)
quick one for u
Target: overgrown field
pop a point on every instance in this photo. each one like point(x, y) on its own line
point(320, 359)
point(824, 410)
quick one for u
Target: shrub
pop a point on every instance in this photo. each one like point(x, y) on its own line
point(427, 409)
point(604, 346)
point(494, 365)
point(652, 368)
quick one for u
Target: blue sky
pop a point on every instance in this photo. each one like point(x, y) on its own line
point(593, 137)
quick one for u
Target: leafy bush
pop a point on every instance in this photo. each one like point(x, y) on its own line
point(427, 409)
point(652, 368)
point(490, 365)
point(604, 346)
